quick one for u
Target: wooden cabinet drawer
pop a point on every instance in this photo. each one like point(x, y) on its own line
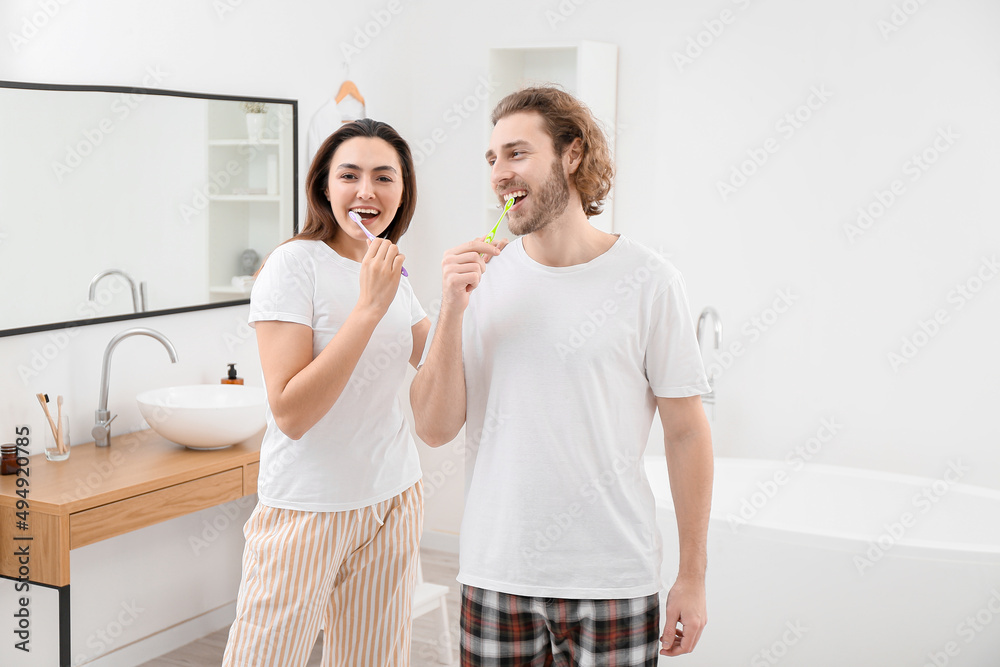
point(130, 514)
point(250, 472)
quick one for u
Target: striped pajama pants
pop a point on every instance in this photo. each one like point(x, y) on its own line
point(350, 573)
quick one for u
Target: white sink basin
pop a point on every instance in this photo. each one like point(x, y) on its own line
point(204, 416)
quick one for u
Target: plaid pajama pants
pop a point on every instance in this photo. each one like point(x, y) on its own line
point(502, 630)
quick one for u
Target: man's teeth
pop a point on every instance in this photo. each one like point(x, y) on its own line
point(516, 193)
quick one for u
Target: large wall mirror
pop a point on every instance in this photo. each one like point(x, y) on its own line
point(121, 203)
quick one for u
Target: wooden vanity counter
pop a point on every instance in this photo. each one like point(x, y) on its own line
point(139, 480)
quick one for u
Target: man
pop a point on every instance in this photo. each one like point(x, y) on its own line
point(555, 360)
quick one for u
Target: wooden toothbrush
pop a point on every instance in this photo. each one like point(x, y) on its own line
point(59, 429)
point(43, 400)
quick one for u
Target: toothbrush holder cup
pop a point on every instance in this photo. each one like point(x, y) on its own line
point(58, 450)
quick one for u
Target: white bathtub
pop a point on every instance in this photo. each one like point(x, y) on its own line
point(842, 566)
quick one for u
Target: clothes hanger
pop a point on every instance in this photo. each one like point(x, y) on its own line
point(348, 88)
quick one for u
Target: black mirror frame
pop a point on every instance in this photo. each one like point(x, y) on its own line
point(170, 93)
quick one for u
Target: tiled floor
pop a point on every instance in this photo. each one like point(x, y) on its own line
point(439, 568)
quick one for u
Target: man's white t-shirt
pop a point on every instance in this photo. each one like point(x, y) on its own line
point(361, 452)
point(562, 367)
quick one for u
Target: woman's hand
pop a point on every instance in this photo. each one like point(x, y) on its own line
point(380, 272)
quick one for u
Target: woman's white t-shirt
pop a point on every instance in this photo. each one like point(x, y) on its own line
point(361, 451)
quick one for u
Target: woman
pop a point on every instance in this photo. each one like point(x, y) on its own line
point(332, 543)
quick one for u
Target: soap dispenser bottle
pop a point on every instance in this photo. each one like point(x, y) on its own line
point(232, 379)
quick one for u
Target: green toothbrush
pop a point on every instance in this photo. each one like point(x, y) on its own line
point(489, 237)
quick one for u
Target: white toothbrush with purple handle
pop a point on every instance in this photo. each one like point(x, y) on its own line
point(357, 218)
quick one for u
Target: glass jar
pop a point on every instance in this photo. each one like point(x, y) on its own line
point(8, 460)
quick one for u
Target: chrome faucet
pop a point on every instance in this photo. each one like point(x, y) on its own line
point(710, 313)
point(138, 293)
point(103, 418)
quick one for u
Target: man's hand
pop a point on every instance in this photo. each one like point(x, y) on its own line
point(685, 605)
point(463, 267)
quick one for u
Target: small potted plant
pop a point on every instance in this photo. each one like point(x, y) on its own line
point(256, 112)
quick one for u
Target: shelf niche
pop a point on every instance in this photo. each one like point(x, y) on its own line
point(249, 208)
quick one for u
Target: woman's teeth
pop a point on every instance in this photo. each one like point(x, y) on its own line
point(366, 213)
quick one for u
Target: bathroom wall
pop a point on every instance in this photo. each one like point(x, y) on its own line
point(749, 136)
point(821, 174)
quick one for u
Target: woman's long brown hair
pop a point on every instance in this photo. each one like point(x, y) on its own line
point(320, 224)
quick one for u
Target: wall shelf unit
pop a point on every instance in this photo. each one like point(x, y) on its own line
point(252, 205)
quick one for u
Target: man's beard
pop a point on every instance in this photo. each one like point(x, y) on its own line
point(550, 200)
